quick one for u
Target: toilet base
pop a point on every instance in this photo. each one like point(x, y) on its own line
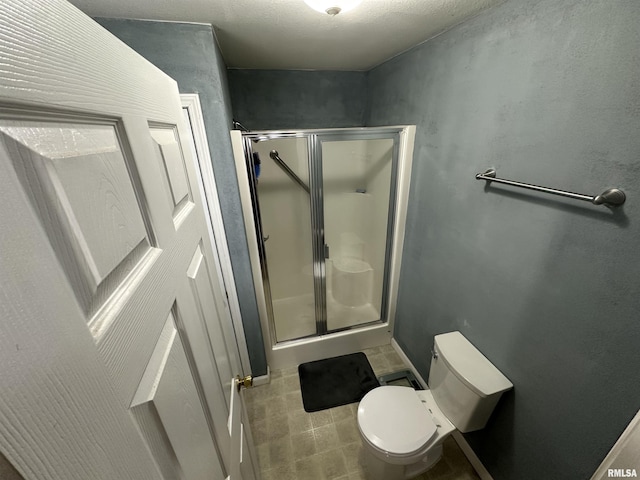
point(378, 469)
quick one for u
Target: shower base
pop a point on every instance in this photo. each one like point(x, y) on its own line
point(295, 316)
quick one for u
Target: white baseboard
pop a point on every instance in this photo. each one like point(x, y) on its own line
point(475, 462)
point(262, 379)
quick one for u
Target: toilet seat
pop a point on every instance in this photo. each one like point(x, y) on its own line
point(394, 420)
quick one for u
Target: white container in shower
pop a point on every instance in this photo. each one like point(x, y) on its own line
point(352, 281)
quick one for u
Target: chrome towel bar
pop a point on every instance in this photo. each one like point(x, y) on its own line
point(612, 197)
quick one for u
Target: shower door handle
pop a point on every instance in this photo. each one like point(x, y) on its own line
point(326, 251)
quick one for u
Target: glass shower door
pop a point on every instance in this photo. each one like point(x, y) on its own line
point(284, 208)
point(357, 181)
point(324, 205)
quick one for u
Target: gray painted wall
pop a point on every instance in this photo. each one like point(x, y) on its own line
point(547, 92)
point(294, 99)
point(189, 54)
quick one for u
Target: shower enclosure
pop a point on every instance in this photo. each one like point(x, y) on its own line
point(325, 208)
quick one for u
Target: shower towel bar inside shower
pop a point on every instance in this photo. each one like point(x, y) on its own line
point(612, 197)
point(275, 156)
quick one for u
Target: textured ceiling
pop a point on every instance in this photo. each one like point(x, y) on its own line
point(287, 34)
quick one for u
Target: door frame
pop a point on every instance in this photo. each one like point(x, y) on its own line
point(287, 354)
point(211, 204)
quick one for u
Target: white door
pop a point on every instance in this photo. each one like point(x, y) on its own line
point(113, 357)
point(242, 454)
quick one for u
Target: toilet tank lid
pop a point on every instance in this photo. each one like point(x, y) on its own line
point(470, 365)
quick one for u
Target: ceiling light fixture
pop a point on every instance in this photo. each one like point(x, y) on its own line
point(332, 7)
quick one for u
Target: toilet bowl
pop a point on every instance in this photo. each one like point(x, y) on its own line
point(403, 429)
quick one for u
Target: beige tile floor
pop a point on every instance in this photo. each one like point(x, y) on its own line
point(295, 445)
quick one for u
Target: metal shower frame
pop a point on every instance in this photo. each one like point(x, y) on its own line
point(315, 138)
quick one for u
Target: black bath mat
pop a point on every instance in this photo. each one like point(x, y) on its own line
point(335, 381)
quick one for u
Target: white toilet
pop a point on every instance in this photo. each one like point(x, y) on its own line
point(403, 429)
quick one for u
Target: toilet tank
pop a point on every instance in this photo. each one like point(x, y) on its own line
point(465, 385)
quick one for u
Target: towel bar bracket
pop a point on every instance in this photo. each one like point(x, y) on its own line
point(613, 197)
point(489, 173)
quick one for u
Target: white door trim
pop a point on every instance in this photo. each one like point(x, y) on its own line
point(252, 239)
point(211, 205)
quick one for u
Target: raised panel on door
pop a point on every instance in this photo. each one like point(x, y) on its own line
point(175, 181)
point(202, 289)
point(193, 328)
point(80, 183)
point(169, 412)
point(126, 332)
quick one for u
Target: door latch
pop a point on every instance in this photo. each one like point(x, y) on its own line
point(245, 382)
